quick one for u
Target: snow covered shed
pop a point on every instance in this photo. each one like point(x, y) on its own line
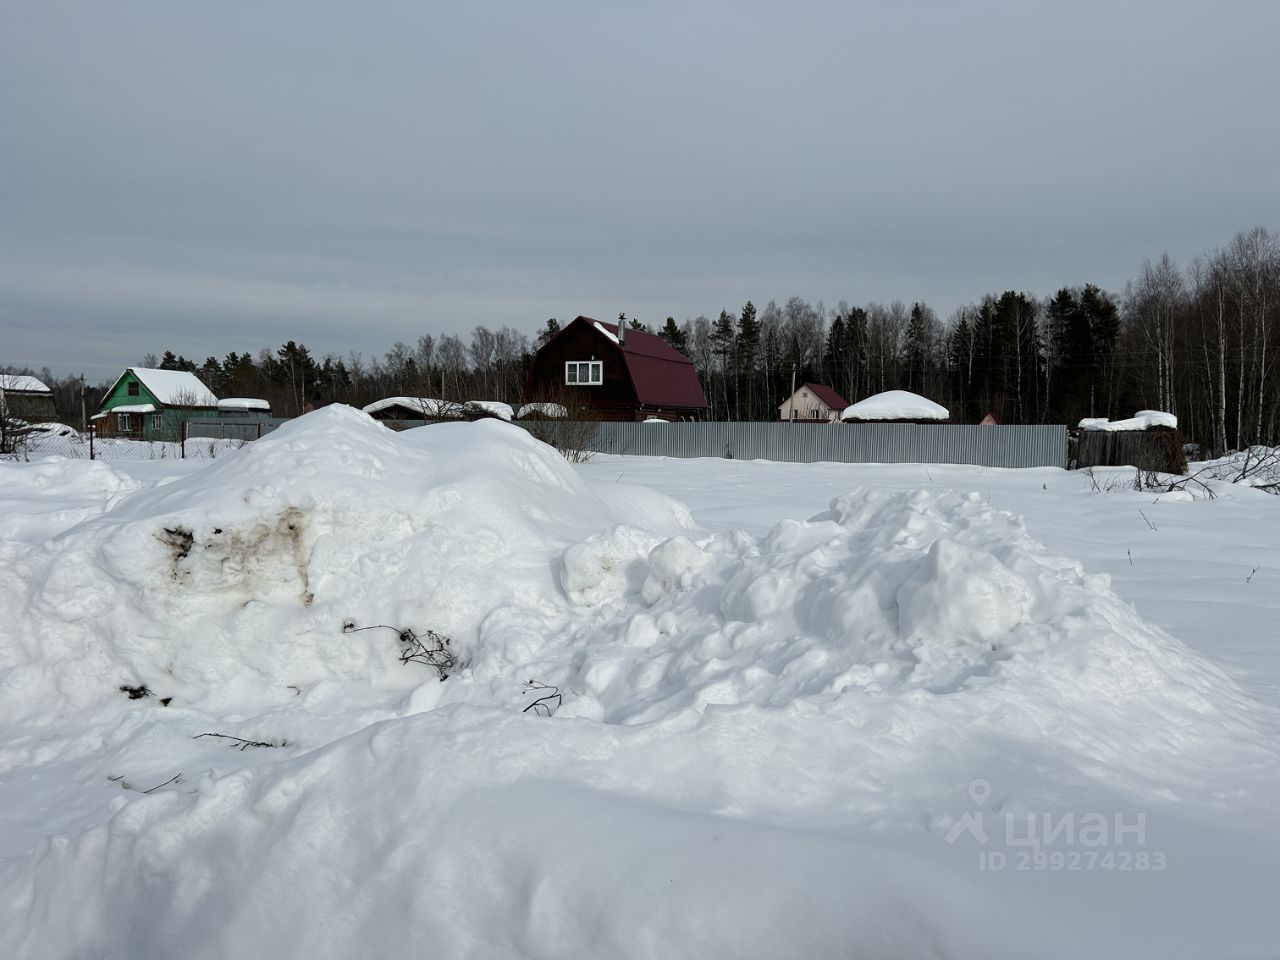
point(615, 374)
point(812, 401)
point(26, 398)
point(397, 410)
point(147, 404)
point(895, 406)
point(244, 407)
point(1149, 440)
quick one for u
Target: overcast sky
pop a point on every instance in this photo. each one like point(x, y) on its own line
point(215, 176)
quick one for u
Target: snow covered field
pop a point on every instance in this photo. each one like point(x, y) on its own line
point(781, 709)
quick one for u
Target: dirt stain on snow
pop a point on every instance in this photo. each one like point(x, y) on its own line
point(251, 561)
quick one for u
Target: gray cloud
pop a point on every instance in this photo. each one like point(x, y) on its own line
point(227, 176)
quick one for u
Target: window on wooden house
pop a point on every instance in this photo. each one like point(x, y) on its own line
point(124, 422)
point(157, 421)
point(133, 388)
point(584, 372)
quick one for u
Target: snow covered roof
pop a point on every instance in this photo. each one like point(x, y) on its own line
point(174, 388)
point(22, 383)
point(546, 409)
point(243, 403)
point(895, 405)
point(495, 407)
point(1142, 420)
point(424, 406)
point(134, 408)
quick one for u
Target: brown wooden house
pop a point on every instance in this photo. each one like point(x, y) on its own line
point(615, 374)
point(26, 398)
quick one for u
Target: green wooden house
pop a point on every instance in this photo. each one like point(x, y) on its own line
point(148, 404)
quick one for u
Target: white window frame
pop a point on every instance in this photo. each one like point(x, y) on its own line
point(124, 422)
point(574, 372)
point(157, 421)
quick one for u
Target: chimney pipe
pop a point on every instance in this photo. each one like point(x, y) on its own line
point(622, 329)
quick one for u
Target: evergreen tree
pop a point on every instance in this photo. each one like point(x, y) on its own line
point(723, 339)
point(547, 332)
point(917, 347)
point(170, 362)
point(297, 371)
point(854, 352)
point(748, 349)
point(676, 337)
point(834, 357)
point(210, 374)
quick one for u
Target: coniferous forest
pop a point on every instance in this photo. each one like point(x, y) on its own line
point(1199, 340)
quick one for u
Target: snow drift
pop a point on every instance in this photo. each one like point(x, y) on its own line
point(233, 583)
point(808, 707)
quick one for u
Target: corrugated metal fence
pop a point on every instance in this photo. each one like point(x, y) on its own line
point(219, 428)
point(1002, 446)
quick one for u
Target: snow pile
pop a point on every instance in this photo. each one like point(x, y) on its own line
point(932, 607)
point(804, 709)
point(895, 405)
point(53, 429)
point(1142, 420)
point(232, 584)
point(51, 494)
point(1256, 466)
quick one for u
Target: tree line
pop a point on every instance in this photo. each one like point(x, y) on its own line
point(1198, 341)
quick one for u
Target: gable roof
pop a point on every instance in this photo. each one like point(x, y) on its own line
point(18, 382)
point(174, 388)
point(661, 374)
point(827, 395)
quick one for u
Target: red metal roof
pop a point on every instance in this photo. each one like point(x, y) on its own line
point(827, 396)
point(661, 374)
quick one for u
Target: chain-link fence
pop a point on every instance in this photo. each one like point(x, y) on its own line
point(37, 443)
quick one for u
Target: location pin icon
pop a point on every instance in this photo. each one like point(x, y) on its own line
point(979, 792)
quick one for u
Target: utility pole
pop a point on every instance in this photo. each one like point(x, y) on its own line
point(792, 402)
point(84, 410)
